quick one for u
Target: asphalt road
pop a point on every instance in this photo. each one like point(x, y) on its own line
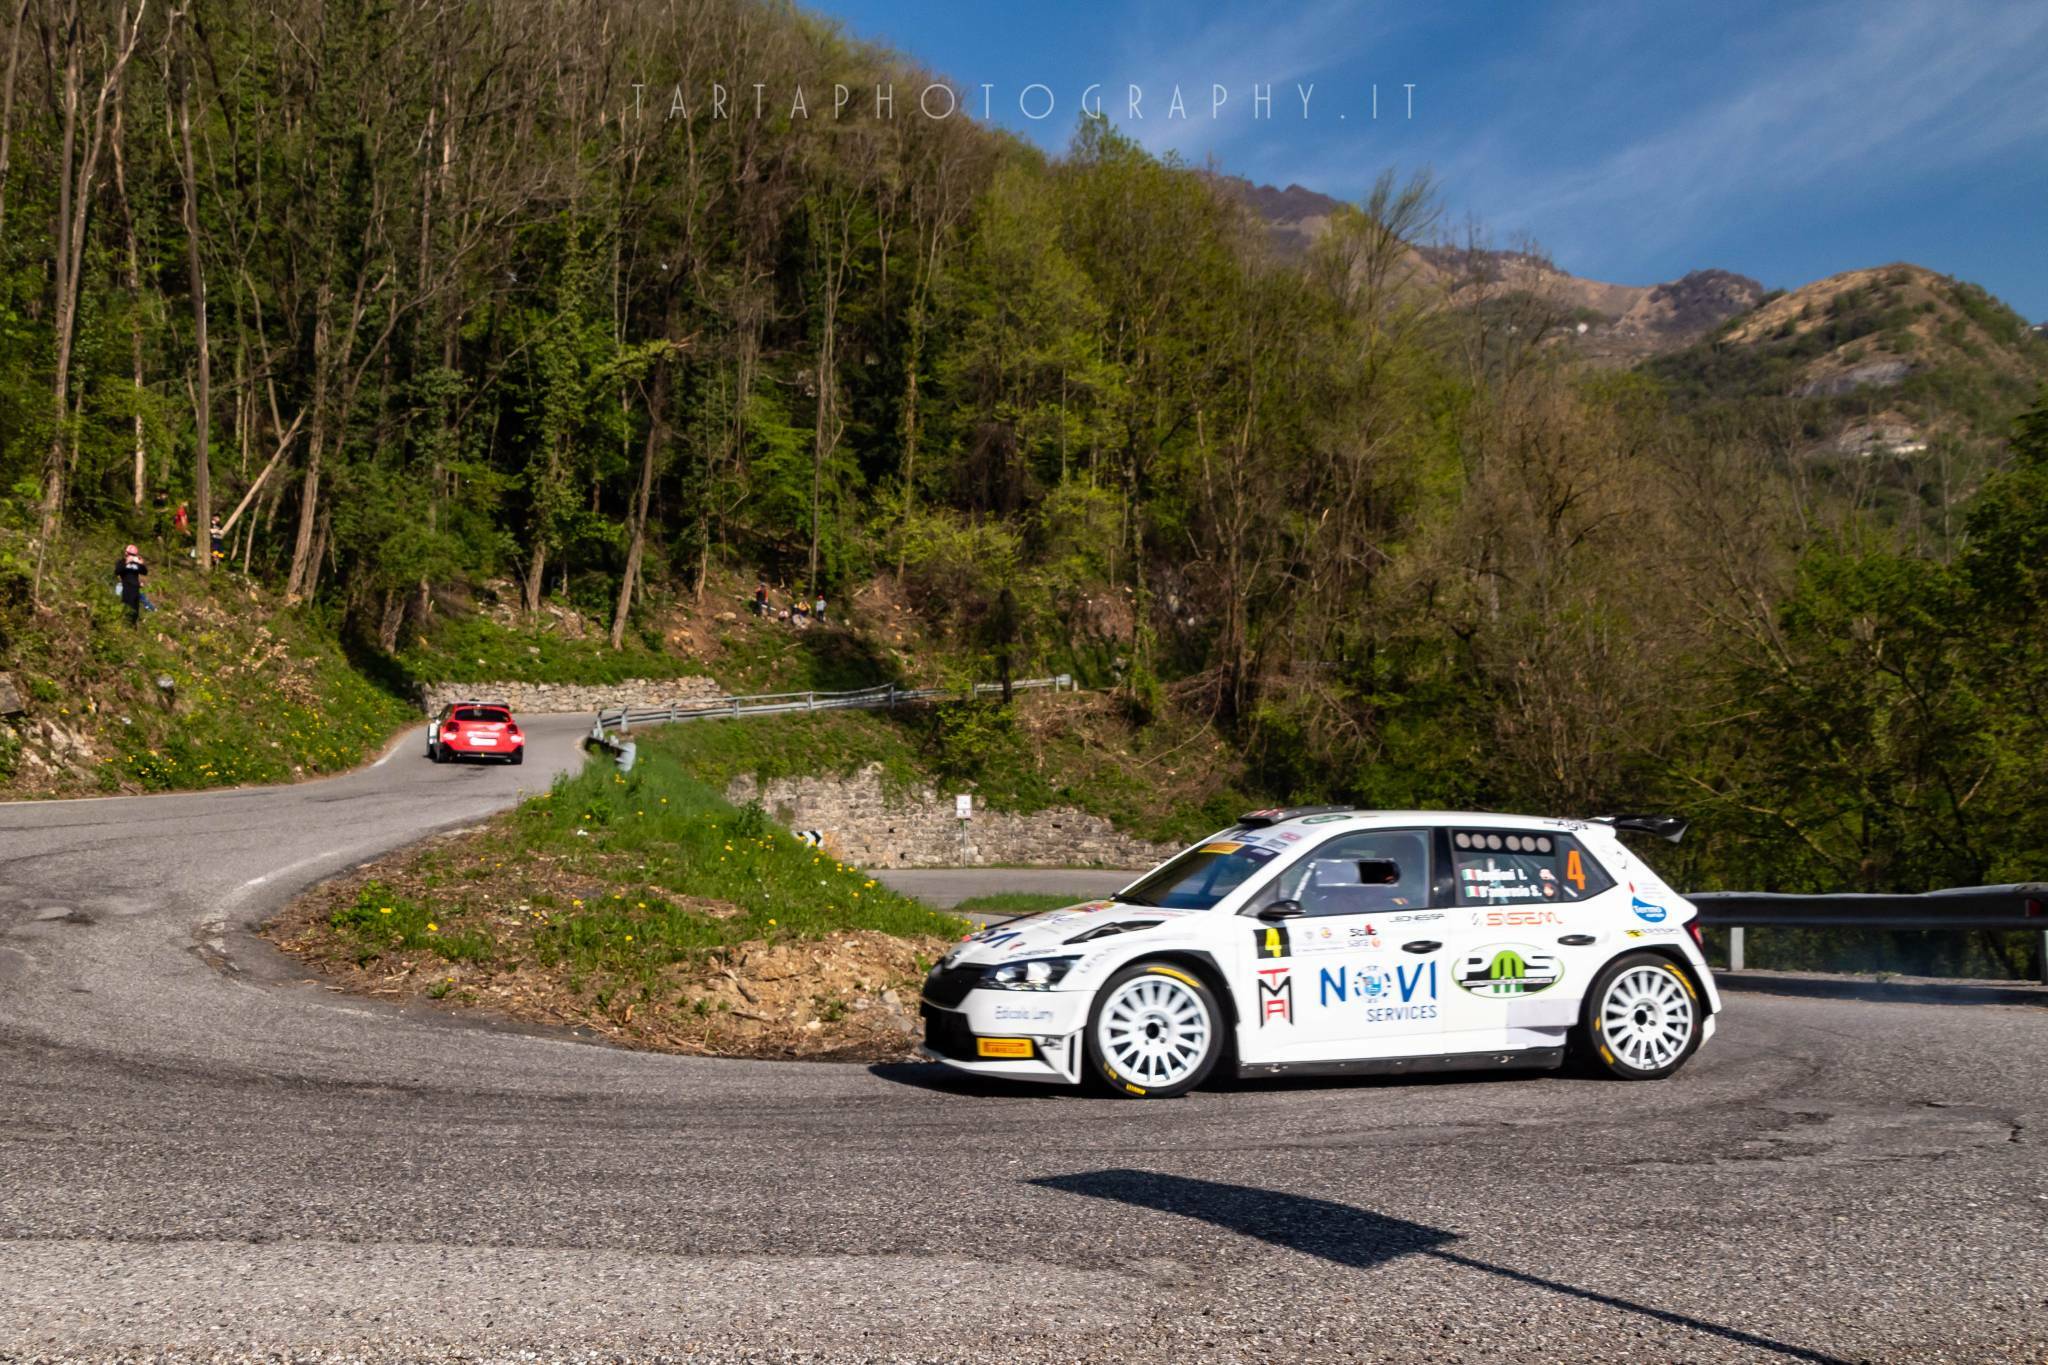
point(201, 1153)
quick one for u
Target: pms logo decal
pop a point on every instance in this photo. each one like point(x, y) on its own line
point(992, 940)
point(1276, 995)
point(1272, 941)
point(1645, 910)
point(1407, 994)
point(1509, 970)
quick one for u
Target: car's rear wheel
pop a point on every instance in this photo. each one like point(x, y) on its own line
point(518, 756)
point(437, 753)
point(1643, 1018)
point(1155, 1031)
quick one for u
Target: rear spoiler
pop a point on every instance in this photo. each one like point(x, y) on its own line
point(1667, 827)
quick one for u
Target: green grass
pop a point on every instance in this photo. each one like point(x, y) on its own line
point(479, 649)
point(1153, 783)
point(607, 877)
point(1018, 902)
point(259, 691)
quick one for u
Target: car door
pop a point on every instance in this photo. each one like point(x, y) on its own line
point(1527, 929)
point(1322, 949)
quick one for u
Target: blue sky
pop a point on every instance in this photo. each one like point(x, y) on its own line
point(1634, 141)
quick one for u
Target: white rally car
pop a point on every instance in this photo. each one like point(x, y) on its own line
point(1333, 941)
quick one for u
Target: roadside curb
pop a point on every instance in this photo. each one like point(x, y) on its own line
point(1903, 990)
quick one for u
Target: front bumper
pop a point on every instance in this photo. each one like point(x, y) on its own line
point(1022, 1035)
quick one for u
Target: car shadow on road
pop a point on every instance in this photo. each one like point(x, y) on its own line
point(944, 1080)
point(1354, 1237)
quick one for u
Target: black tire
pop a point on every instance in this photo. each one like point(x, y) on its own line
point(1184, 1001)
point(1643, 1018)
point(518, 756)
point(437, 753)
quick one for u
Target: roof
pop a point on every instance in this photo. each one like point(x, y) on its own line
point(1334, 815)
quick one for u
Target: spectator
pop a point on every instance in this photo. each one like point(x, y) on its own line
point(761, 599)
point(181, 520)
point(217, 535)
point(129, 574)
point(818, 609)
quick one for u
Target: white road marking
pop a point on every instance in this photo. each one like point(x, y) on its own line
point(290, 867)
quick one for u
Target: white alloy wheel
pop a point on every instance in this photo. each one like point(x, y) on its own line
point(1154, 1031)
point(1648, 1018)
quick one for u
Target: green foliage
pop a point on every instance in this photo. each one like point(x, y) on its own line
point(480, 649)
point(650, 853)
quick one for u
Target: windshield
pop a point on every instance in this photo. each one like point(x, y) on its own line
point(490, 713)
point(1200, 877)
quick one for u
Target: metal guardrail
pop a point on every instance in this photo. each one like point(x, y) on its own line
point(624, 718)
point(2021, 906)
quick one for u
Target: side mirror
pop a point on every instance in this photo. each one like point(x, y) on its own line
point(1280, 910)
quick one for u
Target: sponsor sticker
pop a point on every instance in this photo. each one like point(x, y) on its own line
point(1023, 1014)
point(1509, 971)
point(1272, 941)
point(1376, 995)
point(1003, 1047)
point(1647, 911)
point(1276, 995)
point(1221, 846)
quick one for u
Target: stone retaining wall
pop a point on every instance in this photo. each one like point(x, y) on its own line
point(868, 826)
point(541, 698)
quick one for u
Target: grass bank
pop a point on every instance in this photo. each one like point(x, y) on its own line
point(1169, 782)
point(258, 690)
point(643, 907)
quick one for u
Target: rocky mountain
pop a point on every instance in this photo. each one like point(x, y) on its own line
point(1888, 357)
point(1878, 359)
point(1611, 323)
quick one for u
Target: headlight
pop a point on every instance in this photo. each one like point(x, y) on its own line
point(1033, 974)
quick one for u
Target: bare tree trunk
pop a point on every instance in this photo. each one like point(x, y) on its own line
point(202, 472)
point(392, 617)
point(536, 570)
point(75, 175)
point(303, 567)
point(657, 429)
point(7, 108)
point(133, 271)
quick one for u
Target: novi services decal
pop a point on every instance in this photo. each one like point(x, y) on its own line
point(1509, 970)
point(1405, 994)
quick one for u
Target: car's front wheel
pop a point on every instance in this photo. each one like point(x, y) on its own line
point(1643, 1018)
point(1155, 1031)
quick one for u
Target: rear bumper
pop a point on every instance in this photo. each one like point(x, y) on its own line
point(464, 749)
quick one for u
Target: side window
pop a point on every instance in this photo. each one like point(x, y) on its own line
point(1502, 867)
point(1361, 874)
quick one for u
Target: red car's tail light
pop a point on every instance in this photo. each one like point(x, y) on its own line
point(450, 730)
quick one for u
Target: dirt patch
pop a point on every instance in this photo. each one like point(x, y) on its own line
point(850, 995)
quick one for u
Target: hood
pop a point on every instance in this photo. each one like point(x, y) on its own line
point(1072, 929)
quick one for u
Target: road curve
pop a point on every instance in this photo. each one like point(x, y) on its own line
point(202, 1152)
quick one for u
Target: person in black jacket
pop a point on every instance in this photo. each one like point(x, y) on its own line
point(130, 572)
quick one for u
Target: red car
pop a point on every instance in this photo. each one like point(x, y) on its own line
point(475, 729)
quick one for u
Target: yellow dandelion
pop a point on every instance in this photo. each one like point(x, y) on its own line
point(383, 909)
point(433, 928)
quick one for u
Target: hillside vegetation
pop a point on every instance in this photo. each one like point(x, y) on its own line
point(519, 325)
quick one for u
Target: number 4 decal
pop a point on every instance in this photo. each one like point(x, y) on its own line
point(1574, 870)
